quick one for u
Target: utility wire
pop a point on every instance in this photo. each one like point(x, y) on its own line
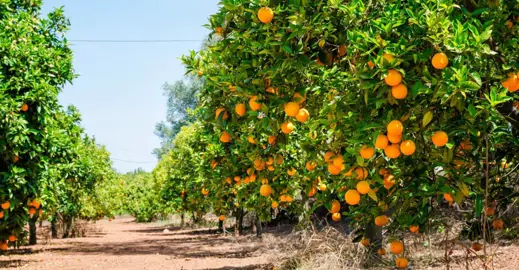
point(130, 161)
point(133, 40)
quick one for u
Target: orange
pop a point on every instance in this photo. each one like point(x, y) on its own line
point(336, 217)
point(35, 203)
point(414, 228)
point(448, 197)
point(228, 180)
point(342, 50)
point(395, 127)
point(291, 171)
point(272, 139)
point(221, 110)
point(12, 238)
point(512, 83)
point(6, 205)
point(498, 224)
point(370, 64)
point(352, 197)
point(393, 77)
point(222, 217)
point(381, 141)
point(362, 173)
point(364, 242)
point(394, 138)
point(303, 115)
point(396, 247)
point(274, 204)
point(392, 151)
point(15, 159)
point(240, 109)
point(270, 161)
point(237, 179)
point(232, 88)
point(1, 214)
point(272, 90)
point(265, 190)
point(287, 127)
point(25, 107)
point(407, 147)
point(328, 155)
point(334, 170)
point(312, 191)
point(225, 137)
point(252, 178)
point(388, 57)
point(401, 263)
point(399, 91)
point(218, 30)
point(253, 104)
point(383, 171)
point(299, 98)
point(322, 187)
point(32, 211)
point(271, 168)
point(440, 61)
point(3, 246)
point(251, 139)
point(490, 211)
point(310, 165)
point(381, 251)
point(265, 15)
point(381, 220)
point(279, 159)
point(440, 138)
point(509, 24)
point(466, 145)
point(336, 207)
point(363, 187)
point(477, 246)
point(367, 152)
point(289, 198)
point(338, 160)
point(292, 109)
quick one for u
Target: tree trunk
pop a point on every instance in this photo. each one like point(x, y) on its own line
point(32, 229)
point(258, 226)
point(68, 226)
point(53, 229)
point(240, 224)
point(193, 217)
point(182, 220)
point(41, 223)
point(220, 226)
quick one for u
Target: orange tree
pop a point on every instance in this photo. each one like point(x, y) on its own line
point(35, 63)
point(394, 107)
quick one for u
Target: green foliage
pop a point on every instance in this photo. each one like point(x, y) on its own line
point(142, 196)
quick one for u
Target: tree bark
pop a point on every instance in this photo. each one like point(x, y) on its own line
point(68, 226)
point(32, 229)
point(53, 229)
point(240, 224)
point(258, 226)
point(220, 226)
point(182, 220)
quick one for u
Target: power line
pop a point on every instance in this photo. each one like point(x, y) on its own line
point(130, 161)
point(133, 40)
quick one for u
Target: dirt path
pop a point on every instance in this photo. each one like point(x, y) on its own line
point(124, 244)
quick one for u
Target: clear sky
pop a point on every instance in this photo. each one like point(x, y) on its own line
point(119, 90)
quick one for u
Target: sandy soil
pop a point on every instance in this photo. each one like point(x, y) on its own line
point(124, 244)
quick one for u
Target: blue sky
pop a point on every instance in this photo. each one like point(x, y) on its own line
point(119, 90)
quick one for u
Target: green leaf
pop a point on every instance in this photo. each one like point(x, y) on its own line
point(427, 118)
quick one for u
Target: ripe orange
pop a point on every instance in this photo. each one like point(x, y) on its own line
point(265, 190)
point(388, 57)
point(336, 207)
point(395, 127)
point(509, 24)
point(228, 180)
point(225, 137)
point(381, 251)
point(393, 77)
point(265, 15)
point(352, 197)
point(6, 205)
point(270, 161)
point(279, 159)
point(394, 138)
point(381, 220)
point(311, 165)
point(342, 50)
point(414, 228)
point(498, 224)
point(240, 109)
point(440, 138)
point(32, 211)
point(392, 151)
point(396, 247)
point(322, 187)
point(370, 64)
point(407, 147)
point(3, 246)
point(312, 191)
point(253, 104)
point(221, 110)
point(272, 90)
point(250, 139)
point(490, 211)
point(448, 197)
point(399, 91)
point(383, 171)
point(222, 217)
point(15, 159)
point(401, 263)
point(232, 88)
point(364, 242)
point(25, 107)
point(272, 140)
point(363, 187)
point(366, 152)
point(289, 198)
point(12, 238)
point(1, 214)
point(303, 115)
point(237, 179)
point(299, 98)
point(292, 109)
point(336, 217)
point(381, 141)
point(35, 203)
point(218, 30)
point(287, 127)
point(440, 61)
point(466, 145)
point(274, 204)
point(328, 155)
point(291, 171)
point(512, 83)
point(476, 246)
point(362, 173)
point(334, 170)
point(338, 160)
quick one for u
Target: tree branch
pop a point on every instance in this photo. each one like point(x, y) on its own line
point(511, 114)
